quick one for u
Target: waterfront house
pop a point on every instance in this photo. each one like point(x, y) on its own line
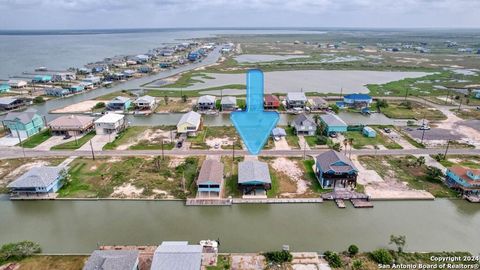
point(476, 93)
point(113, 260)
point(206, 103)
point(110, 123)
point(254, 177)
point(56, 91)
point(145, 103)
point(464, 180)
point(229, 103)
point(23, 124)
point(38, 181)
point(177, 255)
point(369, 132)
point(334, 170)
point(319, 103)
point(271, 102)
point(189, 123)
point(8, 103)
point(71, 125)
point(100, 69)
point(296, 100)
point(4, 87)
point(77, 88)
point(64, 76)
point(278, 132)
point(304, 125)
point(95, 80)
point(144, 69)
point(17, 83)
point(333, 123)
point(119, 104)
point(129, 73)
point(210, 179)
point(357, 100)
point(42, 79)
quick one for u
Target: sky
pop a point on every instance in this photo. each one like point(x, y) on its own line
point(104, 14)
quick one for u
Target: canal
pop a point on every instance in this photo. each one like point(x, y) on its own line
point(78, 226)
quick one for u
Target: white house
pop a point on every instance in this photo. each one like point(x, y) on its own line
point(145, 103)
point(17, 83)
point(189, 123)
point(110, 123)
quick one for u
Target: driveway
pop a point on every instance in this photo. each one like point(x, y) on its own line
point(396, 137)
point(9, 141)
point(303, 144)
point(98, 141)
point(281, 144)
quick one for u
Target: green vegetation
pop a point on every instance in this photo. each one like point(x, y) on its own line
point(64, 262)
point(360, 141)
point(18, 251)
point(109, 96)
point(75, 144)
point(38, 100)
point(412, 110)
point(37, 139)
point(467, 113)
point(99, 178)
point(408, 169)
point(223, 263)
point(333, 259)
point(469, 161)
point(231, 176)
point(311, 177)
point(278, 257)
point(131, 133)
point(409, 139)
point(275, 189)
point(99, 105)
point(382, 256)
point(353, 250)
point(292, 138)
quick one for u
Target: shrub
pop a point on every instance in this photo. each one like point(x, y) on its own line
point(382, 256)
point(333, 259)
point(357, 265)
point(18, 251)
point(99, 105)
point(352, 250)
point(278, 256)
point(321, 140)
point(38, 99)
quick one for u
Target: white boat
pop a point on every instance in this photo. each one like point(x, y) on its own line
point(209, 244)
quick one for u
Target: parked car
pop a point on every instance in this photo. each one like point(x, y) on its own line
point(179, 144)
point(333, 135)
point(424, 127)
point(66, 137)
point(387, 130)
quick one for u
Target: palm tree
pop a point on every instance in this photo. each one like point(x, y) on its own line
point(345, 143)
point(350, 141)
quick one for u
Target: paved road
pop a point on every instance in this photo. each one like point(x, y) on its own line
point(17, 152)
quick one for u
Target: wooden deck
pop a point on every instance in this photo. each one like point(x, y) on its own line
point(360, 203)
point(340, 203)
point(208, 202)
point(278, 200)
point(473, 199)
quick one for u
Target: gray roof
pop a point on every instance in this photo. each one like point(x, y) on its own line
point(279, 132)
point(333, 120)
point(319, 101)
point(112, 260)
point(228, 101)
point(211, 171)
point(296, 96)
point(253, 171)
point(42, 176)
point(7, 100)
point(304, 120)
point(148, 99)
point(192, 118)
point(206, 99)
point(326, 162)
point(177, 256)
point(71, 121)
point(119, 99)
point(24, 117)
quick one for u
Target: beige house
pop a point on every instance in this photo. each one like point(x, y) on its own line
point(71, 125)
point(110, 123)
point(189, 123)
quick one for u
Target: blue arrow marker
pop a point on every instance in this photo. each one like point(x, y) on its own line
point(254, 125)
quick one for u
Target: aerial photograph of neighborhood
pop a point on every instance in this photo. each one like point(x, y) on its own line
point(242, 135)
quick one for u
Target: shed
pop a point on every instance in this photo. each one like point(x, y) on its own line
point(369, 132)
point(279, 132)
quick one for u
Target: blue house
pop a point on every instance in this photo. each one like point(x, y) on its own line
point(42, 78)
point(193, 56)
point(76, 88)
point(57, 92)
point(357, 100)
point(369, 132)
point(23, 124)
point(476, 93)
point(210, 179)
point(38, 181)
point(333, 169)
point(463, 179)
point(333, 123)
point(4, 88)
point(119, 103)
point(254, 178)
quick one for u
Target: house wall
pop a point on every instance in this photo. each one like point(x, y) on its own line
point(337, 129)
point(108, 128)
point(186, 127)
point(28, 129)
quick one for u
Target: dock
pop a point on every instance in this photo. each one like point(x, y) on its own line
point(208, 202)
point(359, 203)
point(473, 198)
point(340, 203)
point(277, 200)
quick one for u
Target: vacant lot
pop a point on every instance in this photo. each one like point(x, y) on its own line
point(170, 104)
point(143, 138)
point(466, 161)
point(412, 110)
point(362, 141)
point(132, 177)
point(53, 262)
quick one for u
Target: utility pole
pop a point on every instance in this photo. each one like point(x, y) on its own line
point(406, 94)
point(304, 148)
point(21, 144)
point(460, 105)
point(446, 150)
point(91, 147)
point(163, 155)
point(233, 151)
point(423, 134)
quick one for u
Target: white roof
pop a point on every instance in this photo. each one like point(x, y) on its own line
point(110, 118)
point(206, 99)
point(147, 98)
point(296, 96)
point(192, 118)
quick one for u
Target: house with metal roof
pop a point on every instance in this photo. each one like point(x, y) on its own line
point(206, 103)
point(318, 103)
point(113, 260)
point(4, 87)
point(279, 132)
point(189, 123)
point(23, 124)
point(71, 124)
point(177, 255)
point(17, 83)
point(357, 100)
point(57, 91)
point(38, 180)
point(463, 179)
point(333, 124)
point(271, 102)
point(9, 103)
point(145, 103)
point(76, 88)
point(210, 179)
point(333, 169)
point(228, 103)
point(304, 125)
point(110, 123)
point(119, 104)
point(296, 100)
point(42, 78)
point(254, 177)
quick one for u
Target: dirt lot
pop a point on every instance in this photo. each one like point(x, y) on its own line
point(294, 175)
point(175, 105)
point(84, 106)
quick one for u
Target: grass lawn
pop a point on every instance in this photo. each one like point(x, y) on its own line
point(53, 262)
point(310, 176)
point(360, 140)
point(231, 176)
point(416, 111)
point(123, 93)
point(292, 138)
point(124, 136)
point(466, 161)
point(223, 262)
point(37, 139)
point(467, 113)
point(99, 178)
point(198, 142)
point(71, 145)
point(401, 169)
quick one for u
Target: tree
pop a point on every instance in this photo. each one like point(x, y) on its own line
point(316, 118)
point(38, 100)
point(335, 108)
point(399, 241)
point(18, 251)
point(345, 144)
point(382, 256)
point(420, 161)
point(184, 98)
point(278, 256)
point(434, 173)
point(333, 259)
point(165, 98)
point(381, 103)
point(99, 105)
point(321, 140)
point(321, 127)
point(352, 250)
point(337, 147)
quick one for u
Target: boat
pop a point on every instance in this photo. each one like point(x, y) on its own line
point(209, 244)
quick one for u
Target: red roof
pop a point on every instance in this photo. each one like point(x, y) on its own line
point(271, 99)
point(462, 173)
